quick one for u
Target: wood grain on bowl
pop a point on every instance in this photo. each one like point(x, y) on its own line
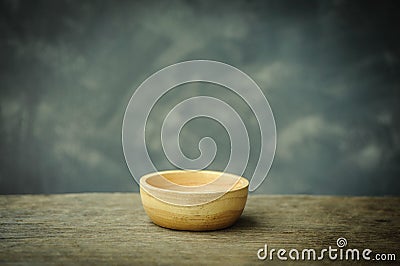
point(221, 203)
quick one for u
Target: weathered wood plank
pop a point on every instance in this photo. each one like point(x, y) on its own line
point(106, 228)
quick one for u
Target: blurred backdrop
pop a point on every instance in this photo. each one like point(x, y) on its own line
point(330, 70)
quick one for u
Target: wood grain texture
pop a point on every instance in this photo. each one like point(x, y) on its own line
point(107, 228)
point(217, 214)
point(193, 200)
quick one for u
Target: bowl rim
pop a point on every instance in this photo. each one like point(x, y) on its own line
point(144, 184)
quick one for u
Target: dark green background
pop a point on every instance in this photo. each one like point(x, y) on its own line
point(330, 70)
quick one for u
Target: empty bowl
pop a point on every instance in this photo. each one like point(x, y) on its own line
point(193, 200)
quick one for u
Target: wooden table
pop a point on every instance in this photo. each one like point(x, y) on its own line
point(112, 228)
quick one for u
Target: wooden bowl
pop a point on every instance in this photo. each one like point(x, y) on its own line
point(193, 200)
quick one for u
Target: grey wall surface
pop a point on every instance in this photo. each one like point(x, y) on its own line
point(330, 70)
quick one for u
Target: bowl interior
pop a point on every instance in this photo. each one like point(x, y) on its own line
point(205, 181)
